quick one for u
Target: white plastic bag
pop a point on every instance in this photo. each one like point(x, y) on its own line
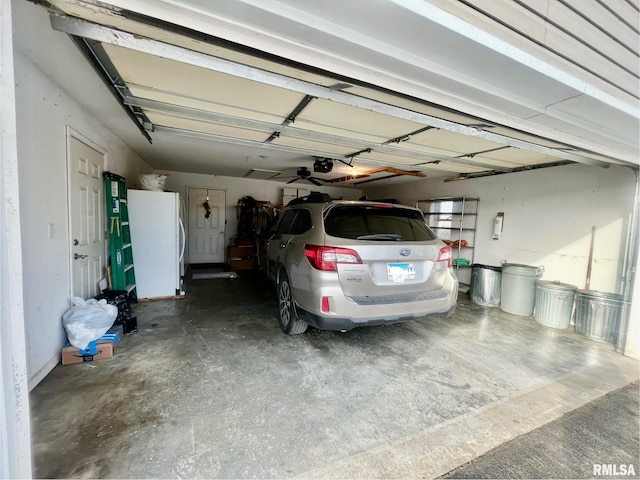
point(88, 320)
point(153, 181)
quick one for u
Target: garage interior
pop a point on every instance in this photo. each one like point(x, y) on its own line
point(195, 394)
point(532, 108)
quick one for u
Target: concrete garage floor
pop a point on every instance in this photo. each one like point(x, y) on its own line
point(599, 439)
point(210, 387)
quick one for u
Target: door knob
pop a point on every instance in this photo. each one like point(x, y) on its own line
point(76, 242)
point(76, 256)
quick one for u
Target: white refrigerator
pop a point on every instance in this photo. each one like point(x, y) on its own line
point(157, 242)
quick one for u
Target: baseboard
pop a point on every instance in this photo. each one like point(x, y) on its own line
point(37, 377)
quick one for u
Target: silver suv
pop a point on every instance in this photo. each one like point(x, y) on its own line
point(341, 264)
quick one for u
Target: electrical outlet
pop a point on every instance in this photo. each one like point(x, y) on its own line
point(51, 232)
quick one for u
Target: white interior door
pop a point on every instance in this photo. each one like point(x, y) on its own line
point(206, 232)
point(86, 217)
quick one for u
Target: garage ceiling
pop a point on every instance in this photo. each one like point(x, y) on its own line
point(215, 102)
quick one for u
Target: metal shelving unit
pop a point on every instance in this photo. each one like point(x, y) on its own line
point(454, 220)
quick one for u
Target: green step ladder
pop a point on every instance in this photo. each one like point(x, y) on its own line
point(122, 272)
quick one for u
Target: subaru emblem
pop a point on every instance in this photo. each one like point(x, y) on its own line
point(405, 252)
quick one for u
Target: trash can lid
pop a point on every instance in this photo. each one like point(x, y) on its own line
point(555, 285)
point(520, 269)
point(600, 295)
point(487, 267)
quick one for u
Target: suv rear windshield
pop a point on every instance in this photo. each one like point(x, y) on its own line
point(376, 223)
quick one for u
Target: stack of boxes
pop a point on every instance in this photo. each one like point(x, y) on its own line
point(240, 257)
point(105, 346)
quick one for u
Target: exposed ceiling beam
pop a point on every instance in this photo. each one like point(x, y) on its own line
point(112, 36)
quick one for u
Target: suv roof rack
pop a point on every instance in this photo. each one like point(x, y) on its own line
point(313, 197)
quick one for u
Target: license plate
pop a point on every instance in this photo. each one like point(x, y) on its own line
point(399, 272)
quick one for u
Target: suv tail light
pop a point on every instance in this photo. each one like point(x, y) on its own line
point(446, 255)
point(327, 258)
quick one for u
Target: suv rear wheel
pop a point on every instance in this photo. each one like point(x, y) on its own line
point(289, 321)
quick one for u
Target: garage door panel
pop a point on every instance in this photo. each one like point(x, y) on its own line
point(172, 98)
point(515, 157)
point(412, 105)
point(313, 145)
point(413, 163)
point(515, 134)
point(445, 139)
point(188, 81)
point(346, 121)
point(208, 128)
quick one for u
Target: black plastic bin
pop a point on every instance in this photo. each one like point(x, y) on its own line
point(120, 298)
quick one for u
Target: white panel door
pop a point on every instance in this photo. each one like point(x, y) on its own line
point(86, 217)
point(206, 232)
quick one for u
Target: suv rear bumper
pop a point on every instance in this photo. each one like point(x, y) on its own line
point(331, 322)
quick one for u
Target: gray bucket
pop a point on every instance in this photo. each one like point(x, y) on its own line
point(598, 315)
point(485, 285)
point(518, 292)
point(554, 303)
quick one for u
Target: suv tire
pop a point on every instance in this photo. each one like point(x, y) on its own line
point(288, 315)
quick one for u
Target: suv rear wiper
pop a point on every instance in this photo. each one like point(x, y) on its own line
point(380, 236)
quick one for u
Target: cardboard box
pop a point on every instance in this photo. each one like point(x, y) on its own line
point(241, 264)
point(71, 354)
point(240, 257)
point(117, 329)
point(236, 252)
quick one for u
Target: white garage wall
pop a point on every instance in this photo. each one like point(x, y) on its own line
point(15, 441)
point(44, 110)
point(549, 214)
point(236, 188)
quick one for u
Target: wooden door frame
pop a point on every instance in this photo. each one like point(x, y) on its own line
point(72, 133)
point(187, 219)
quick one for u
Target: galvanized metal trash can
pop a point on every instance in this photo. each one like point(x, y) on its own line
point(518, 289)
point(485, 285)
point(554, 303)
point(598, 315)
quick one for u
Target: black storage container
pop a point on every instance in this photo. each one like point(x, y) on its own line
point(120, 299)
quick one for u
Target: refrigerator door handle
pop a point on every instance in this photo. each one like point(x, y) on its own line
point(184, 239)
